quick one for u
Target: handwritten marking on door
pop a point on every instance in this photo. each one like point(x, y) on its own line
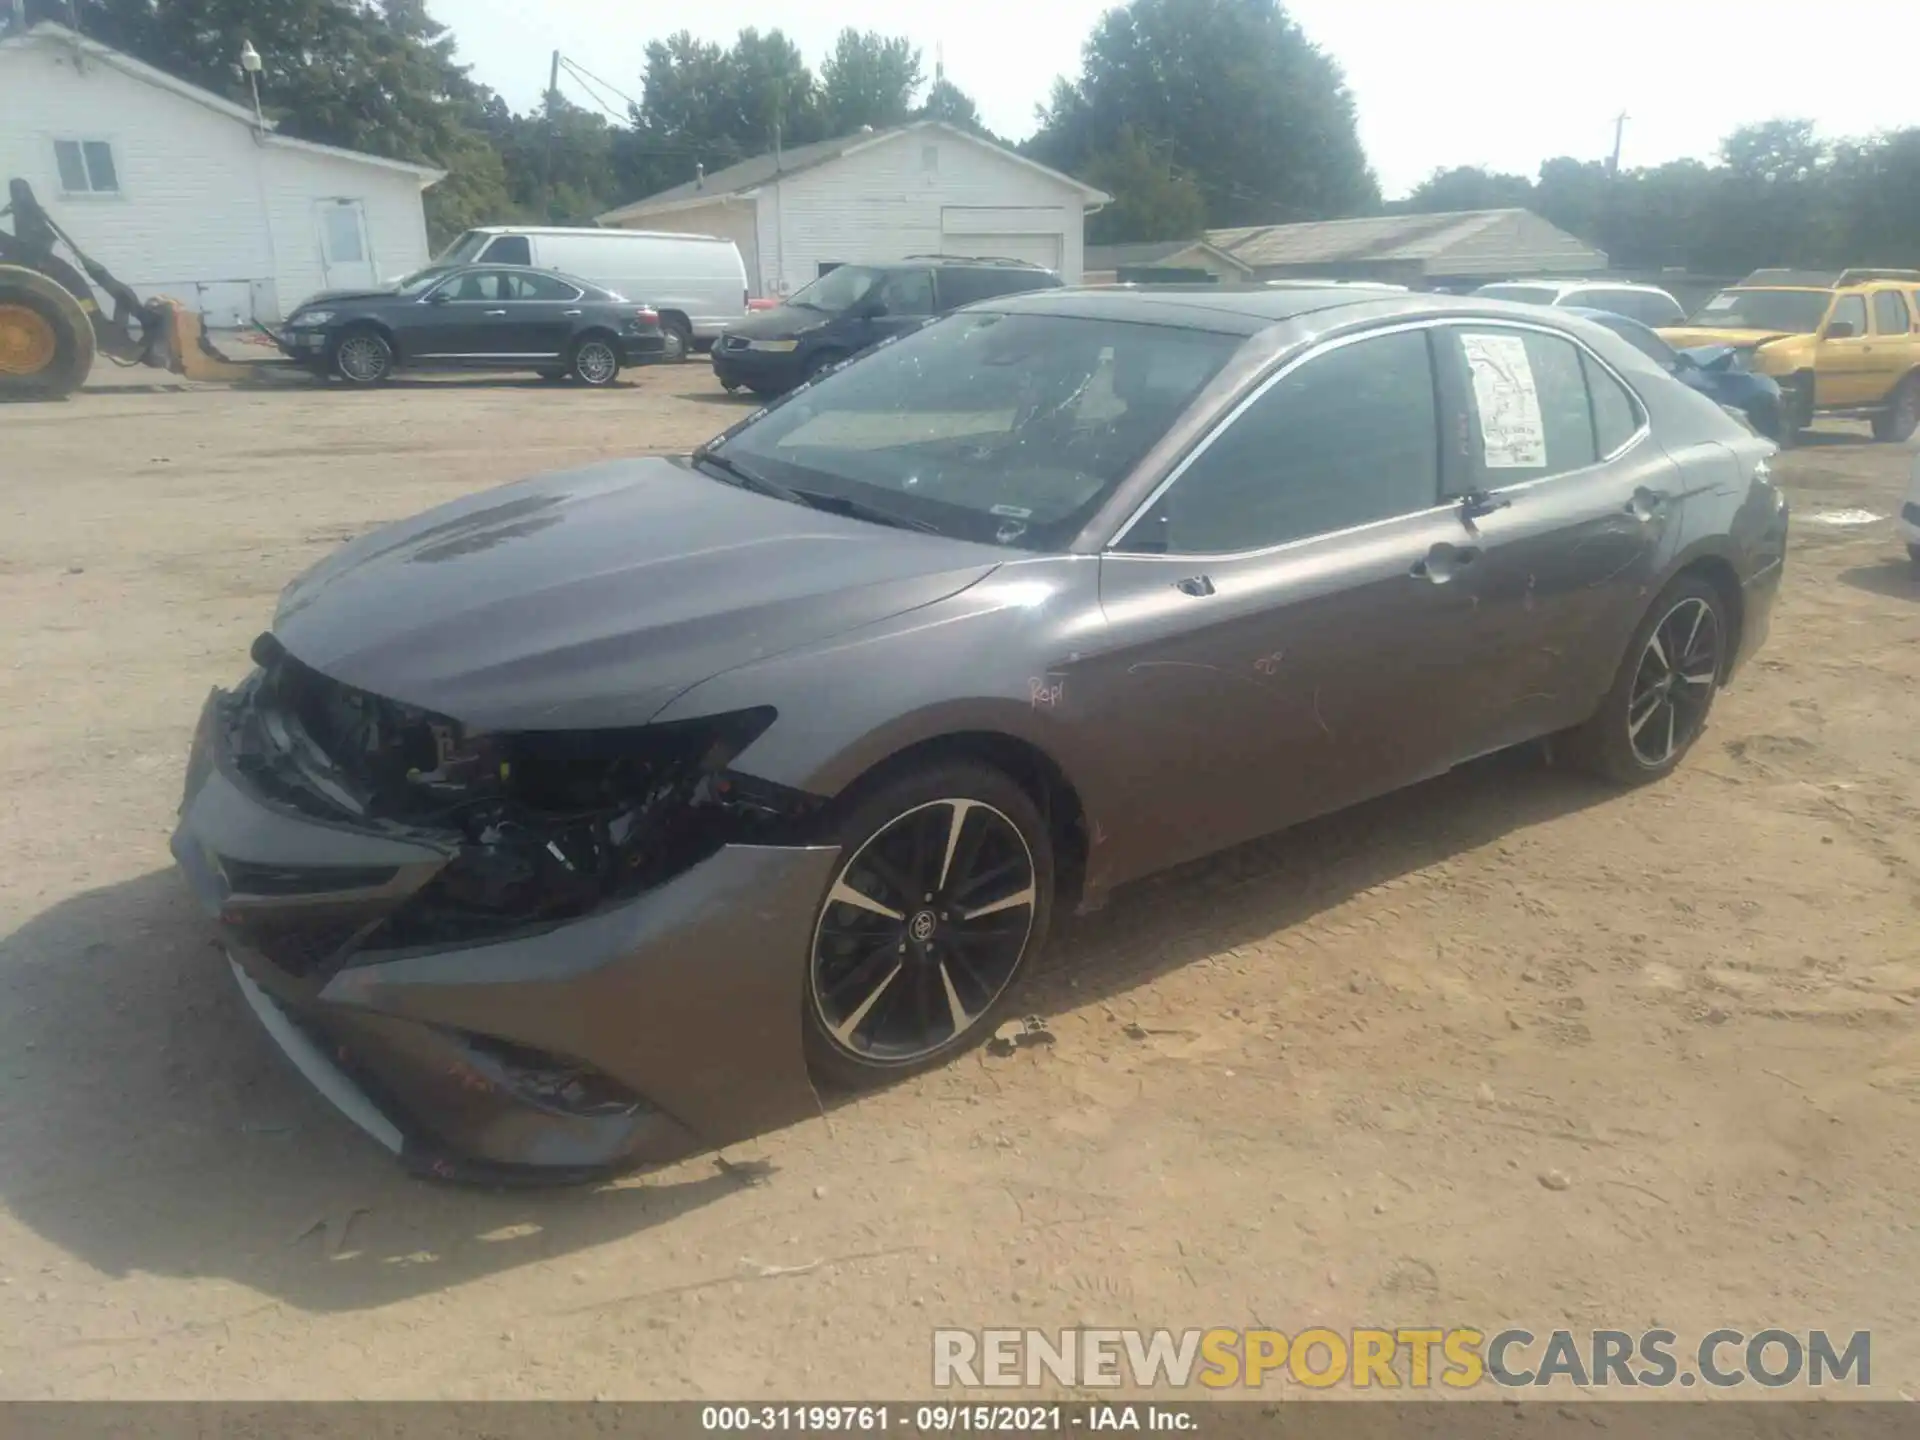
point(1269, 664)
point(1044, 693)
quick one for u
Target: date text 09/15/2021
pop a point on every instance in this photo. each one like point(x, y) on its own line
point(944, 1419)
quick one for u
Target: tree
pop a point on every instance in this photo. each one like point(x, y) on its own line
point(870, 79)
point(1256, 115)
point(947, 101)
point(1468, 187)
point(1150, 201)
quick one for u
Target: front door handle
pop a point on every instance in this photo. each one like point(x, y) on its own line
point(493, 312)
point(1443, 562)
point(569, 313)
point(1646, 504)
point(1198, 586)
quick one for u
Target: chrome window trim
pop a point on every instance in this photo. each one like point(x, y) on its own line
point(1314, 352)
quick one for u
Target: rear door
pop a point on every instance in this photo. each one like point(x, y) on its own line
point(1572, 505)
point(1288, 629)
point(1894, 340)
point(542, 311)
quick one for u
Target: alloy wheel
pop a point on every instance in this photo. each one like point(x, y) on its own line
point(595, 363)
point(1673, 683)
point(363, 358)
point(28, 343)
point(924, 927)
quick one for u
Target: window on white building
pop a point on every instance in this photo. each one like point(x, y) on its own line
point(86, 167)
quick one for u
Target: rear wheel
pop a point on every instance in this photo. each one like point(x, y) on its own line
point(595, 361)
point(679, 337)
point(942, 898)
point(1658, 704)
point(1902, 416)
point(363, 356)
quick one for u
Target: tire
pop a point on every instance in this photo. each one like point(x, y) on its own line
point(595, 361)
point(362, 356)
point(895, 983)
point(679, 336)
point(1901, 418)
point(1623, 742)
point(46, 340)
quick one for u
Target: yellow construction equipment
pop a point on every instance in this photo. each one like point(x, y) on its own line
point(52, 326)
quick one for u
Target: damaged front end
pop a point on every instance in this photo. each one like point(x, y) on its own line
point(564, 949)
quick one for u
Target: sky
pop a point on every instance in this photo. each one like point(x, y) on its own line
point(1499, 83)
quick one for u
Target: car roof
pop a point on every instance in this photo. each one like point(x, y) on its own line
point(522, 270)
point(1590, 283)
point(1234, 310)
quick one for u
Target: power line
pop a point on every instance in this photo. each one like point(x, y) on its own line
point(592, 93)
point(581, 71)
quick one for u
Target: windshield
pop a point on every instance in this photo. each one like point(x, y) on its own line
point(841, 288)
point(1009, 429)
point(462, 250)
point(420, 279)
point(1794, 312)
point(1524, 294)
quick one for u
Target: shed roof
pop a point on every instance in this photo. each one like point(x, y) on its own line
point(745, 176)
point(1152, 252)
point(1463, 242)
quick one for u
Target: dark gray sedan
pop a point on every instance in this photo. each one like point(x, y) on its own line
point(591, 820)
point(474, 317)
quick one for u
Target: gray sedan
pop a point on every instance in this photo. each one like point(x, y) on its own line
point(592, 820)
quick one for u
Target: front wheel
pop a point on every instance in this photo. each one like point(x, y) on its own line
point(1657, 707)
point(942, 897)
point(1901, 418)
point(363, 357)
point(595, 361)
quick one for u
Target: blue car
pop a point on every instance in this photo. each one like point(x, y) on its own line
point(1716, 371)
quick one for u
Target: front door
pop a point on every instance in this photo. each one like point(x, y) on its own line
point(346, 256)
point(493, 317)
point(1846, 368)
point(1289, 624)
point(906, 303)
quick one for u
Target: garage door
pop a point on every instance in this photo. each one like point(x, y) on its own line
point(1038, 249)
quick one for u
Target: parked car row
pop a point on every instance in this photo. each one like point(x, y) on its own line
point(675, 784)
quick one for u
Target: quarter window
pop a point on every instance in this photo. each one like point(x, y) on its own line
point(86, 167)
point(1348, 438)
point(1616, 416)
point(1527, 397)
point(1890, 313)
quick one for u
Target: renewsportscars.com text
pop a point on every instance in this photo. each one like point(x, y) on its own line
point(1416, 1358)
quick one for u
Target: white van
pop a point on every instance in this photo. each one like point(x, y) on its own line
point(698, 283)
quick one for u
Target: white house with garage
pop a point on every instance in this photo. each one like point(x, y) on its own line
point(918, 189)
point(182, 193)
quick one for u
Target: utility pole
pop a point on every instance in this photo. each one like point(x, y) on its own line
point(1619, 129)
point(546, 169)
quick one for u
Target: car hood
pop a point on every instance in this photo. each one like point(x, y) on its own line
point(1686, 337)
point(783, 322)
point(335, 297)
point(591, 598)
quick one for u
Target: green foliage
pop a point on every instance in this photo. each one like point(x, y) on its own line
point(1233, 96)
point(869, 79)
point(1151, 201)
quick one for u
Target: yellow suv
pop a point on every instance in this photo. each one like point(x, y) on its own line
point(1845, 344)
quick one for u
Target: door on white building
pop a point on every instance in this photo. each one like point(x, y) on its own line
point(1042, 249)
point(346, 258)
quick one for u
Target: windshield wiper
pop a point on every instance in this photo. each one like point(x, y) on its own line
point(861, 510)
point(738, 474)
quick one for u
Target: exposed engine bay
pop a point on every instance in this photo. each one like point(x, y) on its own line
point(541, 827)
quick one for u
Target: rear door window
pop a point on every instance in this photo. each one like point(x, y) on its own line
point(1890, 313)
point(540, 287)
point(509, 250)
point(1529, 415)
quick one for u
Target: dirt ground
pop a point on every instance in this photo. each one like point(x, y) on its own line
point(1317, 1080)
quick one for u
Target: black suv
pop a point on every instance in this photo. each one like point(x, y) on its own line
point(853, 307)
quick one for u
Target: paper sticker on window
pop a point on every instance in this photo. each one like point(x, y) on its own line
point(1511, 432)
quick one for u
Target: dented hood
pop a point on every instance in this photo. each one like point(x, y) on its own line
point(591, 598)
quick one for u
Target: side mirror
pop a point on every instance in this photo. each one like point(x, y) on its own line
point(1838, 330)
point(871, 308)
point(439, 297)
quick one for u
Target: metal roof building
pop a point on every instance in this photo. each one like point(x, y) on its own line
point(1421, 250)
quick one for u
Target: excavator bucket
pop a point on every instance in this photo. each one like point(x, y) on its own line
point(189, 353)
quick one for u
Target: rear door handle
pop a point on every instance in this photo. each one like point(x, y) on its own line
point(1443, 562)
point(569, 313)
point(1198, 586)
point(493, 312)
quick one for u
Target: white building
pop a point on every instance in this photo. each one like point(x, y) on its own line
point(181, 193)
point(923, 188)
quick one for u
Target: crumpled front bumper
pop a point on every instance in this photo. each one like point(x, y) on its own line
point(684, 1003)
